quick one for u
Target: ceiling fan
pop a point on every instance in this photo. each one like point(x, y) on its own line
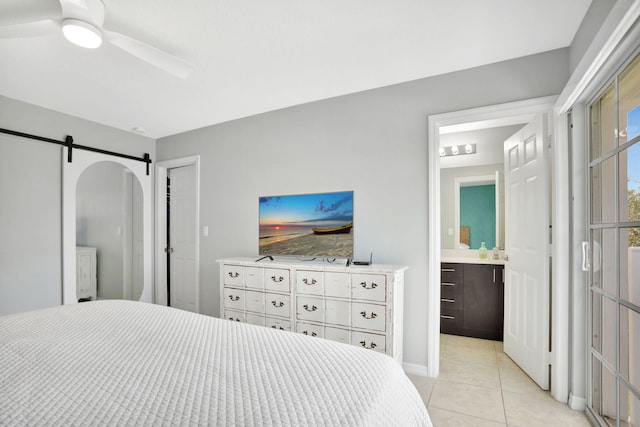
point(82, 22)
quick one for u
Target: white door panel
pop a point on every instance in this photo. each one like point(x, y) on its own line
point(526, 297)
point(182, 238)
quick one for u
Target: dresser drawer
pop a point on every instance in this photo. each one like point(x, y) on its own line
point(309, 329)
point(451, 288)
point(235, 316)
point(254, 301)
point(309, 308)
point(278, 305)
point(276, 279)
point(336, 312)
point(337, 334)
point(254, 277)
point(372, 287)
point(234, 298)
point(309, 282)
point(336, 285)
point(368, 316)
point(255, 319)
point(280, 324)
point(233, 275)
point(371, 341)
point(452, 302)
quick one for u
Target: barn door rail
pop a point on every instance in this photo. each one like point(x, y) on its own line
point(68, 142)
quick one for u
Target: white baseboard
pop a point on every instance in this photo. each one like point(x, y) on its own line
point(577, 403)
point(415, 369)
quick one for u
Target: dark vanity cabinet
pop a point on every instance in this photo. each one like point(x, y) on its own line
point(472, 300)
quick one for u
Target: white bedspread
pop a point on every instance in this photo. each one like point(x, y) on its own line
point(130, 363)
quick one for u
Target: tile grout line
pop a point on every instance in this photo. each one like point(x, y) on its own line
point(504, 407)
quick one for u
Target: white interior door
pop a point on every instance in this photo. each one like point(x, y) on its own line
point(182, 238)
point(526, 323)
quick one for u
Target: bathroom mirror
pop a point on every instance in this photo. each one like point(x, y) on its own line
point(106, 210)
point(109, 235)
point(479, 212)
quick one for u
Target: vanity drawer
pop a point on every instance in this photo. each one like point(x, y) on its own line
point(451, 302)
point(450, 320)
point(451, 272)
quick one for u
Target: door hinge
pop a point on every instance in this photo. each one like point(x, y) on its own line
point(548, 358)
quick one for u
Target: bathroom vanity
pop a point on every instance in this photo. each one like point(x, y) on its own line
point(472, 297)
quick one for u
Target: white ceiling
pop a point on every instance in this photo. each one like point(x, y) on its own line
point(253, 56)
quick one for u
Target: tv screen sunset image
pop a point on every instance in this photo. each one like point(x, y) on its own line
point(307, 225)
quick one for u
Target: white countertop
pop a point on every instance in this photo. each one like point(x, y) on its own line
point(472, 260)
point(470, 256)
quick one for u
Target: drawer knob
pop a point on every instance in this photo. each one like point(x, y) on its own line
point(313, 334)
point(371, 316)
point(364, 285)
point(371, 346)
point(306, 307)
point(234, 274)
point(275, 304)
point(309, 282)
point(234, 297)
point(277, 279)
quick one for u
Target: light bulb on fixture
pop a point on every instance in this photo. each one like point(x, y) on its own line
point(81, 33)
point(468, 148)
point(454, 150)
point(443, 152)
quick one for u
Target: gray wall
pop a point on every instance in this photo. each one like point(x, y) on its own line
point(373, 142)
point(30, 190)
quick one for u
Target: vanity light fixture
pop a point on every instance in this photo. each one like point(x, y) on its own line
point(455, 150)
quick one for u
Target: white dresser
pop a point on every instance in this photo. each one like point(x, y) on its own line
point(86, 273)
point(359, 305)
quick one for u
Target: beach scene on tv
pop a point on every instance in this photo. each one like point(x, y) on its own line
point(318, 225)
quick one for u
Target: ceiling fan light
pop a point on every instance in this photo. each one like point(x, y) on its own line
point(81, 33)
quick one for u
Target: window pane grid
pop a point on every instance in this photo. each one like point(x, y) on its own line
point(614, 304)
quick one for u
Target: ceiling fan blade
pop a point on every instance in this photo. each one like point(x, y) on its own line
point(77, 3)
point(31, 29)
point(150, 54)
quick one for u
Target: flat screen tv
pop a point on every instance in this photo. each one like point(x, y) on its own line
point(307, 225)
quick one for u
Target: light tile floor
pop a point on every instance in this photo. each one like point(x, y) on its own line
point(479, 385)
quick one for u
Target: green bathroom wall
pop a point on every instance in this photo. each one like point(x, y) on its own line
point(478, 212)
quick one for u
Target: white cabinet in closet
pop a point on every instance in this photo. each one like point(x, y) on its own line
point(86, 273)
point(358, 305)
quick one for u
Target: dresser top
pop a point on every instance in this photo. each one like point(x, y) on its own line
point(338, 265)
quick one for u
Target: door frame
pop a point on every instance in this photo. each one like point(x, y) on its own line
point(559, 294)
point(162, 169)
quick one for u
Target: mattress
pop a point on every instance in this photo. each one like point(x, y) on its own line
point(132, 363)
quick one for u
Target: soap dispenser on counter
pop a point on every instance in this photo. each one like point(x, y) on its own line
point(483, 251)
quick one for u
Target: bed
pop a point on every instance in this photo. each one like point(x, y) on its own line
point(130, 363)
